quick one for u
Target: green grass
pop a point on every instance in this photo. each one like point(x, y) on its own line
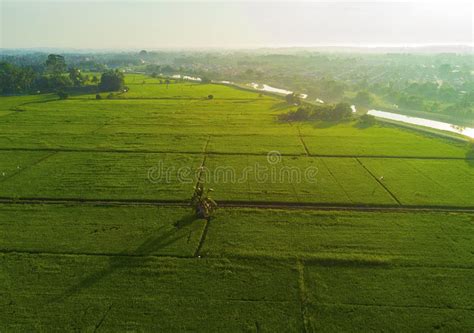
point(132, 176)
point(12, 162)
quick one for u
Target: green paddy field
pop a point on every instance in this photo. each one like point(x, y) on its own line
point(95, 234)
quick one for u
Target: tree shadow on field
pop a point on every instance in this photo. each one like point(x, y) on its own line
point(134, 258)
point(280, 106)
point(325, 124)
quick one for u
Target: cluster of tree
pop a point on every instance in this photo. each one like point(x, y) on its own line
point(15, 79)
point(324, 112)
point(54, 76)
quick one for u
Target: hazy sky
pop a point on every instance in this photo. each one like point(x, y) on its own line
point(178, 24)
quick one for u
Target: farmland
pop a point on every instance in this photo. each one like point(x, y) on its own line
point(362, 228)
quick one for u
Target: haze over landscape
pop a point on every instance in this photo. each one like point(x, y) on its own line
point(237, 24)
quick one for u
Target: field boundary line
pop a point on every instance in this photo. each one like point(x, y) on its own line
point(406, 265)
point(380, 182)
point(92, 254)
point(237, 204)
point(302, 142)
point(102, 319)
point(197, 152)
point(29, 166)
point(400, 306)
point(303, 296)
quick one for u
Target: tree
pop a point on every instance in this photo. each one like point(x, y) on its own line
point(14, 79)
point(363, 98)
point(341, 111)
point(76, 77)
point(56, 64)
point(143, 53)
point(112, 80)
point(292, 99)
point(203, 205)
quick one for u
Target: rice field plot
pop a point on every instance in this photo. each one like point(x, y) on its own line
point(102, 230)
point(349, 140)
point(119, 293)
point(146, 125)
point(293, 179)
point(128, 176)
point(152, 89)
point(344, 237)
point(426, 182)
point(409, 299)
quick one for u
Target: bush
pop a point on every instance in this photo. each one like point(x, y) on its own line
point(210, 97)
point(98, 96)
point(367, 120)
point(110, 96)
point(62, 95)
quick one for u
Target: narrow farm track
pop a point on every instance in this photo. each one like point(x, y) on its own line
point(237, 204)
point(211, 153)
point(380, 182)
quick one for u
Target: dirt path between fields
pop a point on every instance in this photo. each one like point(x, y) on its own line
point(238, 204)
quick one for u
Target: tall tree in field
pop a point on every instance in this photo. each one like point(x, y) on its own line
point(56, 64)
point(112, 80)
